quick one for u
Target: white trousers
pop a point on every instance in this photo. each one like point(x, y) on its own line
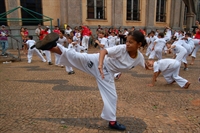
point(197, 46)
point(181, 54)
point(89, 64)
point(157, 53)
point(57, 57)
point(149, 49)
point(79, 48)
point(85, 41)
point(68, 68)
point(30, 54)
point(48, 55)
point(172, 73)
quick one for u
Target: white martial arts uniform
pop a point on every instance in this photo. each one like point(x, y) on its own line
point(77, 39)
point(48, 55)
point(186, 46)
point(61, 41)
point(167, 38)
point(170, 70)
point(112, 41)
point(197, 47)
point(30, 43)
point(179, 51)
point(160, 43)
point(104, 41)
point(116, 60)
point(168, 34)
point(149, 48)
point(69, 68)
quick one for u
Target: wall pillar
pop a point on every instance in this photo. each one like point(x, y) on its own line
point(117, 15)
point(64, 13)
point(176, 14)
point(190, 18)
point(11, 4)
point(74, 13)
point(150, 14)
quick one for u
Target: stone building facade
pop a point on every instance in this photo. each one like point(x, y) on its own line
point(148, 14)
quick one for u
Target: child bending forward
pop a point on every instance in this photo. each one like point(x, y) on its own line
point(102, 66)
point(170, 71)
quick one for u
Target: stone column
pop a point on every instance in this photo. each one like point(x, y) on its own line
point(64, 13)
point(175, 14)
point(117, 13)
point(150, 15)
point(190, 17)
point(74, 13)
point(11, 4)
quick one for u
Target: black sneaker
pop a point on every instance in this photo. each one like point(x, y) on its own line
point(50, 63)
point(48, 42)
point(69, 73)
point(72, 72)
point(117, 126)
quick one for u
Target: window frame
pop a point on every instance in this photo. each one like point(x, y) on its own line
point(96, 16)
point(37, 8)
point(159, 13)
point(138, 11)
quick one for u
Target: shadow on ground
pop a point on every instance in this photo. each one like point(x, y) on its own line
point(133, 125)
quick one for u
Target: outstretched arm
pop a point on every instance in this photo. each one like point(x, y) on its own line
point(102, 54)
point(100, 45)
point(155, 75)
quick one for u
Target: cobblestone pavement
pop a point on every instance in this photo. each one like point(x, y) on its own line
point(38, 98)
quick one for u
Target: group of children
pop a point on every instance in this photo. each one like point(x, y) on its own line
point(113, 59)
point(181, 45)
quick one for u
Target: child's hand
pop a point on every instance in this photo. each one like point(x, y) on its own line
point(96, 41)
point(150, 85)
point(100, 67)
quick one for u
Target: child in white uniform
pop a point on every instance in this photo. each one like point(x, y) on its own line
point(187, 47)
point(158, 47)
point(112, 40)
point(102, 41)
point(195, 43)
point(62, 40)
point(71, 45)
point(102, 66)
point(152, 39)
point(170, 71)
point(178, 51)
point(31, 43)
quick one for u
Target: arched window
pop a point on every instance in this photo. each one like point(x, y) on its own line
point(2, 10)
point(161, 11)
point(34, 5)
point(133, 10)
point(96, 9)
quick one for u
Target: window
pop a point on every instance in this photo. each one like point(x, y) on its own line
point(161, 11)
point(2, 10)
point(34, 5)
point(95, 9)
point(133, 10)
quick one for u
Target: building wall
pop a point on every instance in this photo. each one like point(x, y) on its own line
point(51, 8)
point(74, 13)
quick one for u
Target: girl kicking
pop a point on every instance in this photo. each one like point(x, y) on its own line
point(102, 66)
